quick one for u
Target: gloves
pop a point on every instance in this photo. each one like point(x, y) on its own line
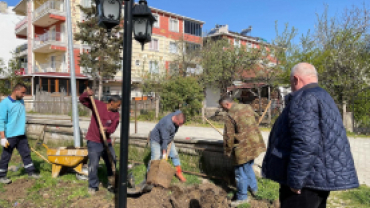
point(164, 156)
point(4, 142)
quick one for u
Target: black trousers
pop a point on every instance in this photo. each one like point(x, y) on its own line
point(308, 198)
point(95, 151)
point(21, 143)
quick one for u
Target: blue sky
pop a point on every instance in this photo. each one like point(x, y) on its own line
point(260, 14)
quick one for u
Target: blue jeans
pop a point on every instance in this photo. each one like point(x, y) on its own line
point(95, 151)
point(245, 177)
point(156, 153)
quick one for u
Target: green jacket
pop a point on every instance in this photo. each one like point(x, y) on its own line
point(242, 139)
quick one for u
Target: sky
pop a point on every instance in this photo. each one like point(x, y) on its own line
point(260, 14)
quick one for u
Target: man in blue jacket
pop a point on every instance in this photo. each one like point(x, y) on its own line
point(162, 135)
point(12, 133)
point(308, 151)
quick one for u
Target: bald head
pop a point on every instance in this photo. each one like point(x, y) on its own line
point(301, 75)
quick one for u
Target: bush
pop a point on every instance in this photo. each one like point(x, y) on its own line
point(184, 93)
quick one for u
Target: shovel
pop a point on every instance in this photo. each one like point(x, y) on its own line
point(111, 179)
point(161, 172)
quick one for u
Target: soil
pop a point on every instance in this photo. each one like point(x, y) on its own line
point(206, 195)
point(16, 190)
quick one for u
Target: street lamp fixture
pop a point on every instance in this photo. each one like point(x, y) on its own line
point(140, 19)
point(108, 13)
point(143, 20)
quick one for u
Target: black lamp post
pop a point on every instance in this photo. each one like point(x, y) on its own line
point(141, 19)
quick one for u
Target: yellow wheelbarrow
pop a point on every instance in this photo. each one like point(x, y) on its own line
point(66, 157)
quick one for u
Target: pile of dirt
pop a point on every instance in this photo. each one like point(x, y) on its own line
point(204, 196)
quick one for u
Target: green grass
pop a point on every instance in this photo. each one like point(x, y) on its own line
point(359, 197)
point(245, 205)
point(267, 190)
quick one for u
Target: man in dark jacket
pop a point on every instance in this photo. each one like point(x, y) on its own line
point(308, 151)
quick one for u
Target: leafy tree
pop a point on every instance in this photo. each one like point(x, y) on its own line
point(222, 63)
point(183, 93)
point(10, 76)
point(103, 60)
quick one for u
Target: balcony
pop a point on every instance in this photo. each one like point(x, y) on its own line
point(21, 50)
point(49, 13)
point(49, 42)
point(51, 67)
point(21, 28)
point(23, 69)
point(21, 8)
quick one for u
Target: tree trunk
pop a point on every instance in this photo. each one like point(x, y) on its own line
point(268, 101)
point(157, 97)
point(259, 101)
point(100, 87)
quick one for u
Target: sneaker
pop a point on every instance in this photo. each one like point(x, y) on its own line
point(92, 191)
point(236, 203)
point(253, 193)
point(5, 180)
point(34, 175)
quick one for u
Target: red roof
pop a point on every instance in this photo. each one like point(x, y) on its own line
point(59, 74)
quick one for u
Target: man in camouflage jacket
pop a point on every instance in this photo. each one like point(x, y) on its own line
point(243, 142)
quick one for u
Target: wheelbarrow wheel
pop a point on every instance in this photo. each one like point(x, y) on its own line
point(81, 177)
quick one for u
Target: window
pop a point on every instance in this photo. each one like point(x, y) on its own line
point(52, 62)
point(272, 52)
point(173, 47)
point(156, 23)
point(154, 45)
point(153, 67)
point(193, 28)
point(264, 51)
point(174, 25)
point(137, 62)
point(249, 47)
point(192, 47)
point(106, 90)
point(86, 3)
point(237, 43)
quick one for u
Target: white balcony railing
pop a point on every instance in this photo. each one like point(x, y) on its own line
point(48, 38)
point(51, 67)
point(21, 23)
point(49, 6)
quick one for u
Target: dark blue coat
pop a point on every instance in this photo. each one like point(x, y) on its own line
point(308, 146)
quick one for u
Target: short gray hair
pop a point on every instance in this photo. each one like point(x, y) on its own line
point(304, 69)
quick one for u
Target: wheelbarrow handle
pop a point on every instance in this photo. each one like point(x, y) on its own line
point(42, 157)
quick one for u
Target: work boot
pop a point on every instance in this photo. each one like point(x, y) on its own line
point(34, 175)
point(236, 203)
point(92, 191)
point(5, 180)
point(179, 174)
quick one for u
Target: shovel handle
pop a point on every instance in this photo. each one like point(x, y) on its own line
point(168, 151)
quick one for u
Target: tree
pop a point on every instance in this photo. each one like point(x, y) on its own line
point(103, 60)
point(183, 93)
point(10, 77)
point(222, 63)
point(186, 57)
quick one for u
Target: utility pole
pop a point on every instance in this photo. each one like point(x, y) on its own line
point(75, 119)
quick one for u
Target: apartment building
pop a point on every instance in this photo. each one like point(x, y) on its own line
point(173, 35)
point(44, 58)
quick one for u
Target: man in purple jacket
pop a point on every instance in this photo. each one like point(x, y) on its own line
point(109, 116)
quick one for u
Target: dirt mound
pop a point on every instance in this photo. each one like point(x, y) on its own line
point(205, 196)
